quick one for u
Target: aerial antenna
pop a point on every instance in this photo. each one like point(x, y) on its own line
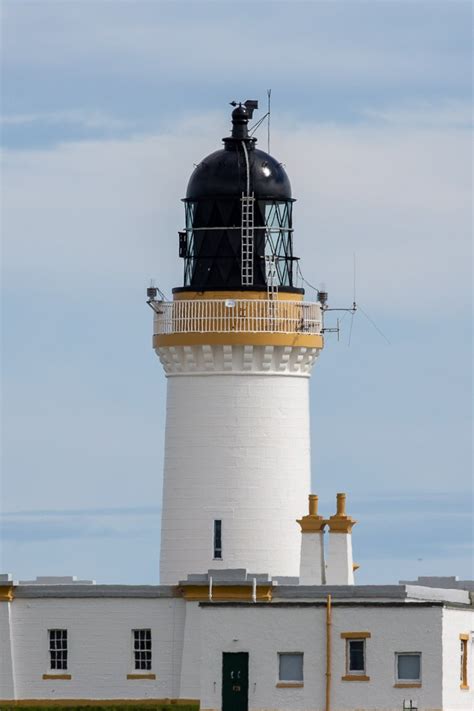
point(374, 324)
point(269, 96)
point(354, 303)
point(354, 279)
point(322, 297)
point(356, 306)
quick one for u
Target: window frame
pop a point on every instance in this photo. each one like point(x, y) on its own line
point(356, 672)
point(141, 650)
point(54, 669)
point(348, 637)
point(408, 682)
point(464, 662)
point(282, 683)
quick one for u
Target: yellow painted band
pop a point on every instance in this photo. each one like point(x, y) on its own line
point(6, 593)
point(359, 677)
point(238, 339)
point(464, 637)
point(221, 593)
point(311, 524)
point(141, 676)
point(340, 523)
point(60, 677)
point(136, 703)
point(257, 295)
point(355, 635)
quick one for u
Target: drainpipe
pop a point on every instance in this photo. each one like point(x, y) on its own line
point(328, 654)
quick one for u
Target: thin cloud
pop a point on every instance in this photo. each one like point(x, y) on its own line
point(86, 119)
point(449, 114)
point(94, 512)
point(140, 41)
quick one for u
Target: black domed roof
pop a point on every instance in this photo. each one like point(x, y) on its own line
point(224, 174)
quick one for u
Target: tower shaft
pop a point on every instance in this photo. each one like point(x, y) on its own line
point(237, 451)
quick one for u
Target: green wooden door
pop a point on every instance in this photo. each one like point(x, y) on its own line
point(235, 681)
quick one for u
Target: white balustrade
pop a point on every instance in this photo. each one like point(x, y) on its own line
point(236, 315)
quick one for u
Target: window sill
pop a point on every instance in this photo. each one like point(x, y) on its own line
point(290, 685)
point(136, 677)
point(464, 687)
point(355, 677)
point(60, 677)
point(407, 685)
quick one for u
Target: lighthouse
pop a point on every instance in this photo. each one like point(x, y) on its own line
point(237, 343)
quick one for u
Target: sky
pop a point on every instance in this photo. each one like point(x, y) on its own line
point(106, 107)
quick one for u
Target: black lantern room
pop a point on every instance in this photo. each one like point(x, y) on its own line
point(238, 208)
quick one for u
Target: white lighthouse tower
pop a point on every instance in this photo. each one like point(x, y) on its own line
point(237, 344)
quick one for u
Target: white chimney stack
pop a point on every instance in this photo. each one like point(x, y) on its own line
point(340, 566)
point(312, 546)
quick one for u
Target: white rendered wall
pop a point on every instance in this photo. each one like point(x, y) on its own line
point(193, 654)
point(189, 639)
point(7, 672)
point(100, 647)
point(263, 632)
point(456, 622)
point(237, 448)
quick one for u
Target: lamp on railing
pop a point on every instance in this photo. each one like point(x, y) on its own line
point(322, 298)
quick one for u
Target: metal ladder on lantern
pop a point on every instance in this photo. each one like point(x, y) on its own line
point(272, 289)
point(247, 239)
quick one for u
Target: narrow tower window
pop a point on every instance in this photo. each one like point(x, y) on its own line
point(218, 539)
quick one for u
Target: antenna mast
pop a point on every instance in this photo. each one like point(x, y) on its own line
point(269, 95)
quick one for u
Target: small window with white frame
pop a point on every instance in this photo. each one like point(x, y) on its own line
point(355, 657)
point(408, 667)
point(290, 666)
point(58, 649)
point(142, 649)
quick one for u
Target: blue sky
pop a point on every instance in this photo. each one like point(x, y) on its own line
point(106, 106)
